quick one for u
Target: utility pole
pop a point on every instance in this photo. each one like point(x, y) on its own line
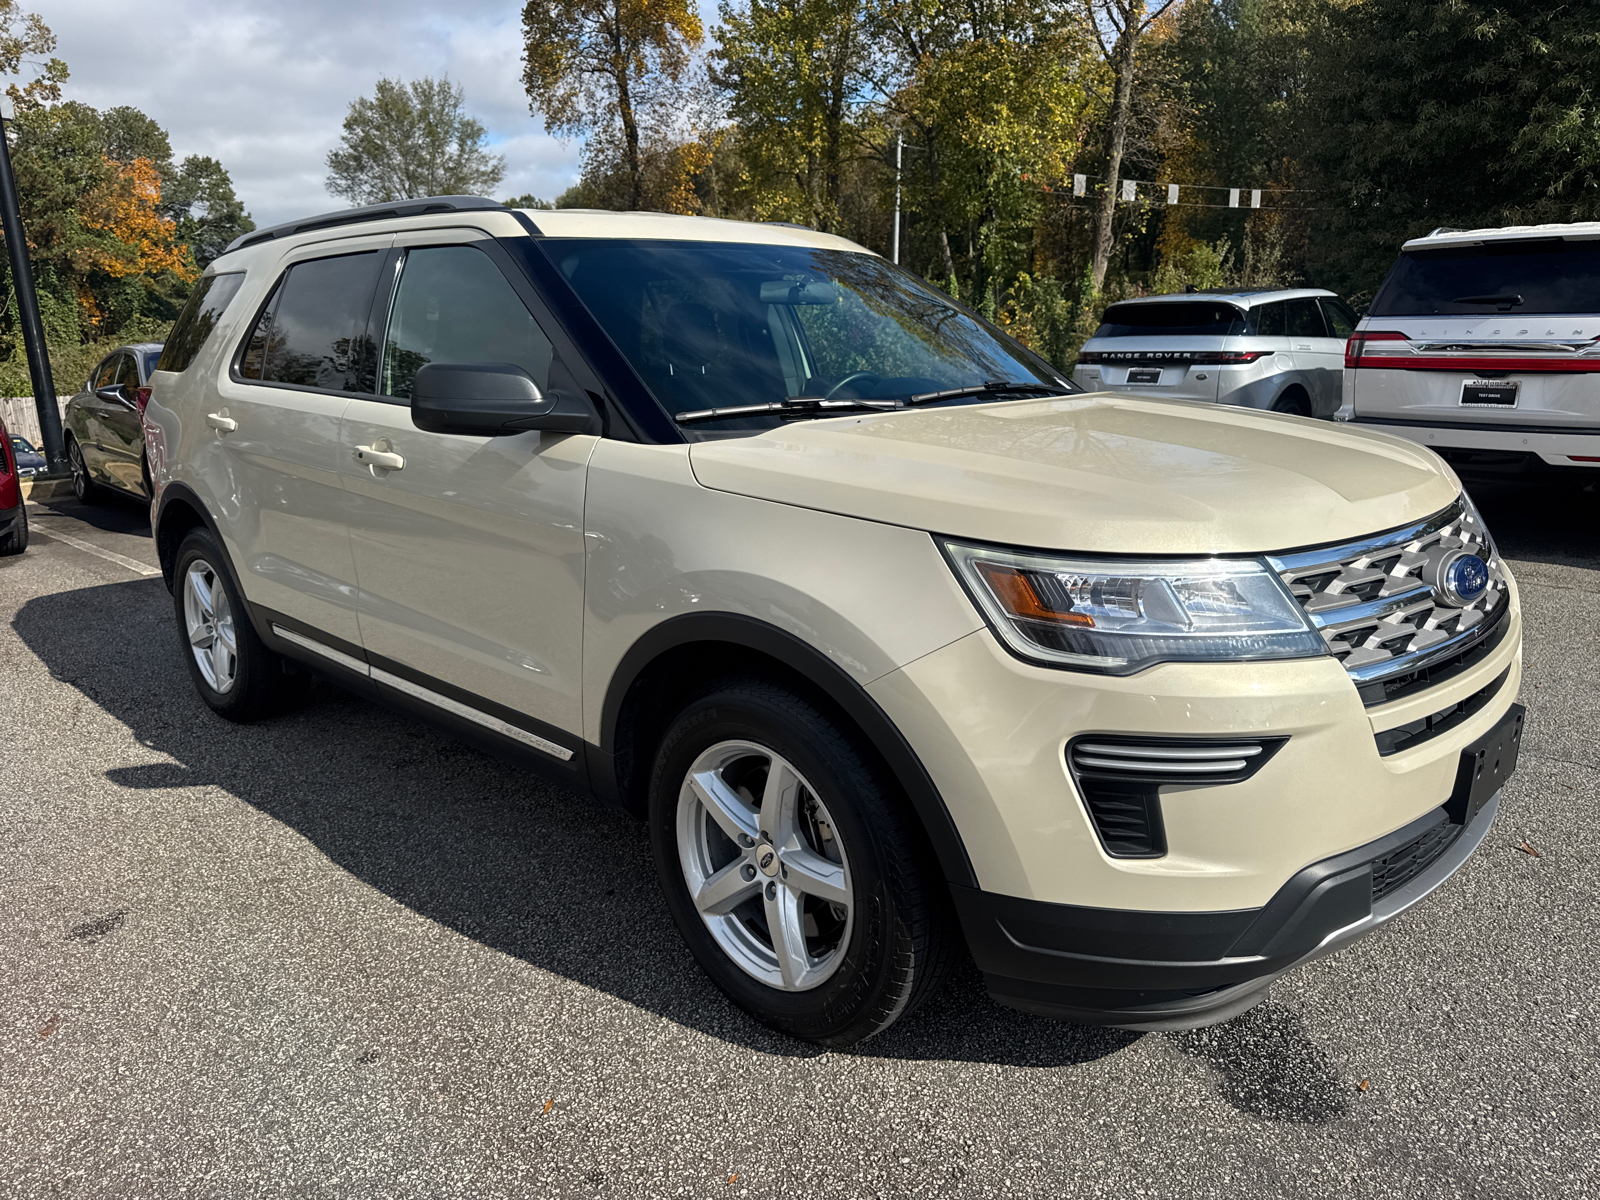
point(44, 386)
point(899, 157)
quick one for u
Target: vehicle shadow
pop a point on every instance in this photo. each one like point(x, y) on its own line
point(463, 839)
point(1556, 522)
point(118, 514)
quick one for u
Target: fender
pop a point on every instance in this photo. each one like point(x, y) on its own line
point(173, 492)
point(821, 671)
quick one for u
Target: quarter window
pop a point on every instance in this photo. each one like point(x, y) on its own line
point(1340, 319)
point(454, 306)
point(313, 331)
point(1268, 321)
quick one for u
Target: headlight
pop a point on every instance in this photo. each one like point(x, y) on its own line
point(1120, 617)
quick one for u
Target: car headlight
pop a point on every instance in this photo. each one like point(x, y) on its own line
point(1119, 617)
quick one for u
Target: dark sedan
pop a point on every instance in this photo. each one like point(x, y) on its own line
point(103, 429)
point(29, 460)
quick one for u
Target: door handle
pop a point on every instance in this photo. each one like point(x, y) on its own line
point(221, 421)
point(1302, 346)
point(386, 459)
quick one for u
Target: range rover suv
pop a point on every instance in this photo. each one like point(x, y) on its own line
point(1484, 345)
point(1278, 350)
point(897, 641)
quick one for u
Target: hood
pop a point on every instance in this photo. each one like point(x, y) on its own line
point(1099, 473)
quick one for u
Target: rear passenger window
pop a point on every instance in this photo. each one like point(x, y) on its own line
point(1340, 319)
point(1267, 321)
point(1305, 320)
point(454, 306)
point(199, 317)
point(313, 331)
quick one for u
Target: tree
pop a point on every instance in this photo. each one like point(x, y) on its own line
point(1123, 21)
point(411, 140)
point(127, 134)
point(594, 64)
point(24, 36)
point(794, 74)
point(198, 196)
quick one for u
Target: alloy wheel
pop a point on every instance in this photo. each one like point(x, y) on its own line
point(80, 473)
point(208, 621)
point(764, 865)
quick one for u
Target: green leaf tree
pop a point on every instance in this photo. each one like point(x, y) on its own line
point(591, 65)
point(409, 140)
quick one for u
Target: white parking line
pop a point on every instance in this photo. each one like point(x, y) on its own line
point(90, 548)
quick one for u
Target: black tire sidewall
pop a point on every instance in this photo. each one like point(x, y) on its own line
point(252, 695)
point(833, 1011)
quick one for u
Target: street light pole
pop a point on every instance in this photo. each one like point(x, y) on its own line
point(899, 156)
point(44, 385)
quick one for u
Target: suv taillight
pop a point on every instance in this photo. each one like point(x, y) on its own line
point(1354, 348)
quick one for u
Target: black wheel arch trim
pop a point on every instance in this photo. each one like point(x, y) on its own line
point(170, 495)
point(752, 634)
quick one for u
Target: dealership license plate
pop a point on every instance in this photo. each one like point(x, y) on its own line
point(1497, 392)
point(1485, 766)
point(1144, 375)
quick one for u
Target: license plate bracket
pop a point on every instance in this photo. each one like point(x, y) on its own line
point(1497, 393)
point(1485, 766)
point(1144, 375)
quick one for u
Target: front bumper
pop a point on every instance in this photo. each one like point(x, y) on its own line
point(1067, 961)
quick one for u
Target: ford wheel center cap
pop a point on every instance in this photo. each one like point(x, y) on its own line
point(1463, 577)
point(767, 860)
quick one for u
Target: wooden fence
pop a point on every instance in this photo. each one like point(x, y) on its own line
point(22, 418)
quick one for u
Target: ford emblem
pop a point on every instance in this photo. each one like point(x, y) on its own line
point(1463, 579)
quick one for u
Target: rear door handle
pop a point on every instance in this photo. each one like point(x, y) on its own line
point(221, 421)
point(386, 459)
point(1302, 346)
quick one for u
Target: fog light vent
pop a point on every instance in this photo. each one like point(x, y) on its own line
point(1120, 779)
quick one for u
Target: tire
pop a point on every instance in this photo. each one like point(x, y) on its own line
point(842, 860)
point(85, 488)
point(1294, 402)
point(230, 665)
point(15, 539)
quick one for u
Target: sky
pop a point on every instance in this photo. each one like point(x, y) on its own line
point(264, 88)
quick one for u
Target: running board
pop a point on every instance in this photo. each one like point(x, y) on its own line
point(427, 695)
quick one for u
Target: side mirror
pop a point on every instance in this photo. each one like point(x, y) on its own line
point(492, 400)
point(116, 393)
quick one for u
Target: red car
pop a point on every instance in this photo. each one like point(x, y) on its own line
point(13, 514)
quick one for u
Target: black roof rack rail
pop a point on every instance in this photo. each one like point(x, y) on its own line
point(371, 212)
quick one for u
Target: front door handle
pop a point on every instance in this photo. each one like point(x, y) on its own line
point(386, 459)
point(221, 421)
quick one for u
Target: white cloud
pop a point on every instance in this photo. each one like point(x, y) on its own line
point(265, 89)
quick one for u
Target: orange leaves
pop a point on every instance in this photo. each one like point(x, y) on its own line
point(145, 241)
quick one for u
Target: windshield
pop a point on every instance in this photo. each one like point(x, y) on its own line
point(1171, 318)
point(1540, 277)
point(715, 325)
point(21, 446)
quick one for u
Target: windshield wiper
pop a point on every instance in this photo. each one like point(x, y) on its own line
point(794, 406)
point(994, 387)
point(1505, 300)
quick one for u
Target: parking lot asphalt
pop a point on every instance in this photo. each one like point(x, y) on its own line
point(341, 955)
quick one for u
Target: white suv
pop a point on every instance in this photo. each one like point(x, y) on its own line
point(894, 638)
point(1280, 350)
point(1484, 344)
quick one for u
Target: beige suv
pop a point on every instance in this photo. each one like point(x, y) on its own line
point(897, 640)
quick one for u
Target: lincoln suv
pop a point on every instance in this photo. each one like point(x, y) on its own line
point(901, 645)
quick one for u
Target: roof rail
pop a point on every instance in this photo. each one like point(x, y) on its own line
point(356, 216)
point(1444, 229)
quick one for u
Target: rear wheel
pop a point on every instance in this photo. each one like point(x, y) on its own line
point(791, 866)
point(85, 488)
point(230, 665)
point(15, 539)
point(1294, 402)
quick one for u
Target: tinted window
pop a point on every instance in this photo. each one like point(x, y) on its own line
point(1534, 277)
point(714, 325)
point(1340, 318)
point(454, 306)
point(195, 323)
point(313, 332)
point(1268, 321)
point(127, 373)
point(151, 359)
point(1171, 319)
point(105, 372)
point(1305, 320)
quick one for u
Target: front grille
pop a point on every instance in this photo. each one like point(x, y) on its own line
point(1423, 729)
point(1400, 867)
point(1372, 605)
point(1120, 779)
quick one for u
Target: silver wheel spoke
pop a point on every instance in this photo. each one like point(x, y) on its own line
point(202, 594)
point(786, 928)
point(726, 890)
point(201, 636)
point(735, 818)
point(808, 872)
point(779, 801)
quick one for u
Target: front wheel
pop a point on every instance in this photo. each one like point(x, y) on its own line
point(85, 488)
point(15, 539)
point(792, 867)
